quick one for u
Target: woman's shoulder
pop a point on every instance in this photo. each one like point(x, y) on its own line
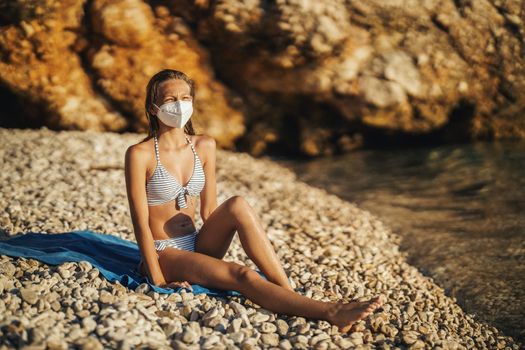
point(205, 146)
point(141, 148)
point(203, 141)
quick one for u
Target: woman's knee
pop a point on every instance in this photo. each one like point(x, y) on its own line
point(237, 204)
point(242, 274)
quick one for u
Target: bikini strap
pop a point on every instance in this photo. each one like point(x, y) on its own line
point(191, 144)
point(156, 148)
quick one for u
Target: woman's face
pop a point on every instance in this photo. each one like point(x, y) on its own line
point(172, 90)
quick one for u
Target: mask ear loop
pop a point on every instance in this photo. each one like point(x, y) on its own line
point(158, 109)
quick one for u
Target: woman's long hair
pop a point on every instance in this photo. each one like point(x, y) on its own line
point(151, 94)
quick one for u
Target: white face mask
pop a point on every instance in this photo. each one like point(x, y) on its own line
point(175, 114)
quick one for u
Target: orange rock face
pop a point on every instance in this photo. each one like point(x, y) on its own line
point(134, 43)
point(41, 69)
point(306, 77)
point(88, 67)
point(369, 70)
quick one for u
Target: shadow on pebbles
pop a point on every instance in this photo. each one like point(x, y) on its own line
point(331, 249)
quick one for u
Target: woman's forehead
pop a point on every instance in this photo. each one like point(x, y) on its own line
point(173, 87)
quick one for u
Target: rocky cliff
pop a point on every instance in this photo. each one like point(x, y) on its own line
point(295, 76)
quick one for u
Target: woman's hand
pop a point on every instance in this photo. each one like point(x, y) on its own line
point(183, 284)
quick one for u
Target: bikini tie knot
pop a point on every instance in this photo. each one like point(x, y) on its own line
point(181, 198)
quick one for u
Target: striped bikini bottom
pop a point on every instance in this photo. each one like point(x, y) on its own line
point(186, 242)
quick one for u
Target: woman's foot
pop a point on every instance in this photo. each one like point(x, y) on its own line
point(344, 315)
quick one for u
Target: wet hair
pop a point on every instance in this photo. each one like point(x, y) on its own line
point(151, 95)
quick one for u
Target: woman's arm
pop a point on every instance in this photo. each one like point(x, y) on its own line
point(209, 193)
point(135, 171)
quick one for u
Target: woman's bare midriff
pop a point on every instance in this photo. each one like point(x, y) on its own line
point(166, 221)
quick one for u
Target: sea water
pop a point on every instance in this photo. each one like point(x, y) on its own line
point(459, 208)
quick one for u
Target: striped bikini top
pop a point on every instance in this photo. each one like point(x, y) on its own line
point(162, 187)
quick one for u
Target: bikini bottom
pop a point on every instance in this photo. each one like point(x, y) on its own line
point(186, 242)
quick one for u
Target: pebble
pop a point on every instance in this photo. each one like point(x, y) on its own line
point(8, 269)
point(270, 339)
point(318, 338)
point(285, 344)
point(210, 341)
point(239, 309)
point(303, 328)
point(259, 318)
point(105, 297)
point(143, 288)
point(29, 295)
point(409, 337)
point(235, 325)
point(237, 337)
point(282, 327)
point(89, 324)
point(85, 266)
point(64, 272)
point(189, 336)
point(268, 327)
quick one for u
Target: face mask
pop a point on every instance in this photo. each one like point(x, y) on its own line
point(175, 114)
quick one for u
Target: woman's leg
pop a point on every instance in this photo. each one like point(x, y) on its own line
point(197, 268)
point(235, 214)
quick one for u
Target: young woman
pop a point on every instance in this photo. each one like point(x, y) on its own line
point(164, 174)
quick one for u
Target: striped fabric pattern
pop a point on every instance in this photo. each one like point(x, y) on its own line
point(186, 242)
point(163, 187)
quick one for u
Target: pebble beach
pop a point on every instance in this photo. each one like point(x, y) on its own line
point(332, 250)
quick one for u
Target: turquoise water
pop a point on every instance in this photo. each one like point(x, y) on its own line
point(460, 210)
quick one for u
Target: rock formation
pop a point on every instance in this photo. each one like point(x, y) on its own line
point(300, 76)
point(40, 68)
point(85, 65)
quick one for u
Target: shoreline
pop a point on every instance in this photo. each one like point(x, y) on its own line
point(330, 248)
point(458, 211)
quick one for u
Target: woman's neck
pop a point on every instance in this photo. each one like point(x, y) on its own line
point(172, 138)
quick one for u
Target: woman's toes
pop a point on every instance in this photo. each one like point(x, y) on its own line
point(377, 301)
point(373, 306)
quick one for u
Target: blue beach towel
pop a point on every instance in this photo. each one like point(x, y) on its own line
point(116, 258)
